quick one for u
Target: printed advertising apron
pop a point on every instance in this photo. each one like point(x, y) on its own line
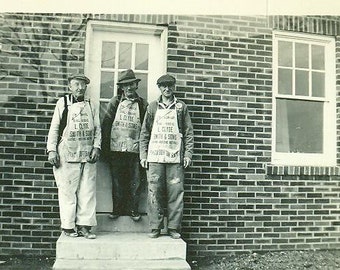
point(79, 133)
point(126, 128)
point(165, 142)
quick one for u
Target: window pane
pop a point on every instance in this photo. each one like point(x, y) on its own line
point(285, 53)
point(299, 126)
point(106, 84)
point(108, 54)
point(301, 83)
point(125, 54)
point(143, 85)
point(102, 110)
point(301, 55)
point(142, 56)
point(318, 57)
point(285, 81)
point(318, 84)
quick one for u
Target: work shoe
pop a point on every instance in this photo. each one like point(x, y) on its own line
point(155, 233)
point(70, 232)
point(113, 215)
point(135, 216)
point(84, 231)
point(174, 234)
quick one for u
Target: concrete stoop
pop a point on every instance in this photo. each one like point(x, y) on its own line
point(120, 250)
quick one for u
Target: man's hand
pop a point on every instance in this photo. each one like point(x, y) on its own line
point(187, 162)
point(53, 158)
point(144, 163)
point(95, 154)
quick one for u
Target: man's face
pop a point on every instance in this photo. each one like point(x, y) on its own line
point(167, 89)
point(129, 89)
point(78, 88)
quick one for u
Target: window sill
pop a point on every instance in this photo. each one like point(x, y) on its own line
point(302, 170)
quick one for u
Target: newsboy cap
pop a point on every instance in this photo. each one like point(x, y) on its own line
point(79, 77)
point(168, 79)
point(127, 76)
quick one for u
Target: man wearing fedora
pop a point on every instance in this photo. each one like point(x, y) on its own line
point(121, 129)
point(73, 147)
point(166, 148)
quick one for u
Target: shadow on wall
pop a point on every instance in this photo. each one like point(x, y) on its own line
point(37, 57)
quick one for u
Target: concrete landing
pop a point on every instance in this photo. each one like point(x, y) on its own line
point(123, 224)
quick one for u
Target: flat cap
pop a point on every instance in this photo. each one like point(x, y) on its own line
point(79, 77)
point(167, 79)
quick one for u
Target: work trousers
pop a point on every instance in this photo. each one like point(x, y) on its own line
point(126, 182)
point(76, 184)
point(165, 190)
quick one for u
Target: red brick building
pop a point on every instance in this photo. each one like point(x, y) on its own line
point(263, 96)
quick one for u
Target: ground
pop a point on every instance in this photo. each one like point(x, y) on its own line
point(26, 263)
point(284, 260)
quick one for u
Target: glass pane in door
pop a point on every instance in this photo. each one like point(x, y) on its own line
point(125, 55)
point(108, 54)
point(106, 84)
point(142, 57)
point(143, 85)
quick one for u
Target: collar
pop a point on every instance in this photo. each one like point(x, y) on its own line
point(166, 106)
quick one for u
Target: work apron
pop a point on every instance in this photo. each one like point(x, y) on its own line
point(79, 133)
point(126, 128)
point(165, 141)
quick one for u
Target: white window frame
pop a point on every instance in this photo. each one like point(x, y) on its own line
point(328, 157)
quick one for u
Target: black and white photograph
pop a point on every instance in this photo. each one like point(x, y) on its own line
point(170, 135)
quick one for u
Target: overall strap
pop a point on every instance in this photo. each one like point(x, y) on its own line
point(63, 120)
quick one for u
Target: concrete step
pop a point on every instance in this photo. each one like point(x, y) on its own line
point(121, 264)
point(120, 246)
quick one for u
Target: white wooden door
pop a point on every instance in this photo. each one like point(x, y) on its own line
point(110, 49)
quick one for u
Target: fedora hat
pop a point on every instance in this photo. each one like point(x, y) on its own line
point(127, 76)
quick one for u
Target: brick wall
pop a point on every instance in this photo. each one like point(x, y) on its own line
point(234, 200)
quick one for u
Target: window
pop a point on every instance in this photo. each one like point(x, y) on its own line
point(114, 47)
point(304, 125)
point(117, 56)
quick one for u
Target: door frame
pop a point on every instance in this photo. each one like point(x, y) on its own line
point(131, 28)
point(104, 186)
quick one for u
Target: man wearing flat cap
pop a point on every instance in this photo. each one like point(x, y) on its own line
point(121, 129)
point(166, 148)
point(73, 147)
